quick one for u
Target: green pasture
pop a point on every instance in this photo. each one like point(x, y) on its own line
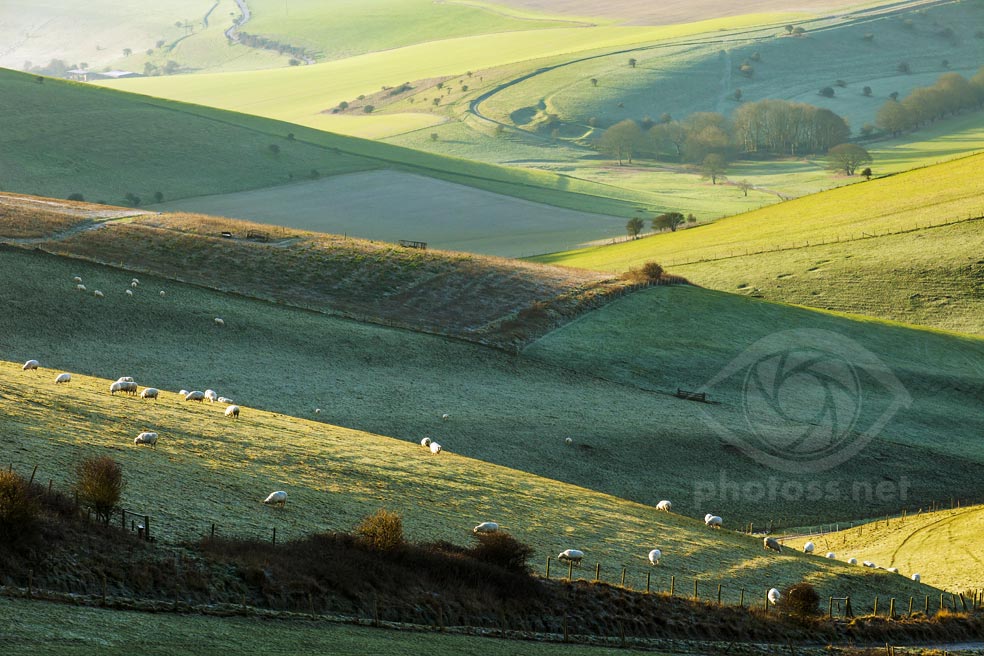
point(447, 216)
point(65, 630)
point(943, 547)
point(930, 277)
point(631, 437)
point(930, 195)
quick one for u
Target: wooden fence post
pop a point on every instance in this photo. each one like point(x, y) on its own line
point(548, 568)
point(570, 571)
point(927, 605)
point(848, 610)
point(597, 572)
point(875, 612)
point(672, 585)
point(275, 535)
point(649, 577)
point(830, 607)
point(910, 607)
point(741, 598)
point(719, 594)
point(623, 576)
point(891, 608)
point(213, 530)
point(147, 528)
point(695, 590)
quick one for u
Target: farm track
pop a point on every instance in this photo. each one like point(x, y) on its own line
point(946, 522)
point(763, 33)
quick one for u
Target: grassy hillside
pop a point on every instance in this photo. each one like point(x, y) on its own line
point(513, 411)
point(935, 194)
point(62, 138)
point(943, 546)
point(684, 337)
point(209, 468)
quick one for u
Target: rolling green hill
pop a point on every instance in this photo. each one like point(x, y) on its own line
point(943, 546)
point(210, 468)
point(857, 274)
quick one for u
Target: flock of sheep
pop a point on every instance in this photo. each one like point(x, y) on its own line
point(809, 547)
point(134, 283)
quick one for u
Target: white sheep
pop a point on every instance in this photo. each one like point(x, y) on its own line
point(278, 498)
point(774, 596)
point(223, 399)
point(771, 543)
point(893, 570)
point(80, 287)
point(147, 438)
point(123, 386)
point(664, 505)
point(868, 563)
point(571, 556)
point(317, 411)
point(98, 294)
point(183, 392)
point(219, 322)
point(568, 441)
point(445, 417)
point(232, 411)
point(486, 527)
point(63, 378)
point(195, 396)
point(150, 393)
point(134, 283)
point(435, 448)
point(425, 442)
point(211, 396)
point(125, 379)
point(31, 365)
point(654, 556)
point(916, 577)
point(77, 279)
point(852, 561)
point(129, 292)
point(809, 547)
point(831, 555)
point(162, 293)
point(713, 520)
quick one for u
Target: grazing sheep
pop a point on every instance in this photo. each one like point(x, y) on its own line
point(893, 570)
point(195, 396)
point(223, 399)
point(80, 287)
point(219, 322)
point(713, 520)
point(774, 596)
point(568, 441)
point(809, 547)
point(125, 379)
point(868, 563)
point(147, 438)
point(31, 365)
point(486, 527)
point(831, 555)
point(63, 378)
point(278, 498)
point(571, 556)
point(162, 293)
point(317, 411)
point(98, 294)
point(771, 543)
point(916, 577)
point(425, 442)
point(123, 386)
point(77, 279)
point(664, 505)
point(445, 417)
point(211, 396)
point(183, 392)
point(654, 556)
point(435, 448)
point(150, 393)
point(134, 284)
point(129, 292)
point(852, 561)
point(232, 411)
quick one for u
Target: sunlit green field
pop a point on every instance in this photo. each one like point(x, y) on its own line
point(931, 195)
point(943, 546)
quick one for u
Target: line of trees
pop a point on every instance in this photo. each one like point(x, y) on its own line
point(952, 93)
point(774, 126)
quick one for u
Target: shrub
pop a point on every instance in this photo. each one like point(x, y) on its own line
point(801, 600)
point(382, 530)
point(18, 511)
point(132, 198)
point(159, 196)
point(904, 67)
point(866, 91)
point(827, 92)
point(274, 148)
point(99, 483)
point(652, 271)
point(368, 109)
point(343, 105)
point(502, 550)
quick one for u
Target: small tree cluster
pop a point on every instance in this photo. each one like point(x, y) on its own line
point(382, 530)
point(801, 600)
point(18, 511)
point(99, 483)
point(502, 550)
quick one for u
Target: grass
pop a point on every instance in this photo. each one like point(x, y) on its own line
point(941, 546)
point(62, 630)
point(187, 150)
point(930, 277)
point(931, 195)
point(513, 411)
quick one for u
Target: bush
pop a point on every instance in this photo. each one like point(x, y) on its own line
point(652, 271)
point(502, 550)
point(18, 511)
point(801, 600)
point(133, 199)
point(382, 530)
point(827, 92)
point(368, 109)
point(99, 483)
